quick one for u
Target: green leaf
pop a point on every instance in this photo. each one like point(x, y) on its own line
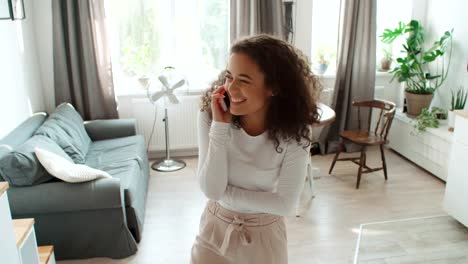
point(425, 120)
point(411, 68)
point(459, 98)
point(389, 36)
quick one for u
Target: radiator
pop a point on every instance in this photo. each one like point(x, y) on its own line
point(182, 125)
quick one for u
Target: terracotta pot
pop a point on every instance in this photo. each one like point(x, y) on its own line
point(385, 64)
point(416, 102)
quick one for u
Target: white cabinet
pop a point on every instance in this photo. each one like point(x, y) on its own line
point(429, 149)
point(456, 192)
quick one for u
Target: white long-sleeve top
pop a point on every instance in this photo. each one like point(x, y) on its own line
point(245, 173)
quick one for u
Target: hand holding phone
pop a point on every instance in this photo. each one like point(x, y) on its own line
point(225, 102)
point(220, 103)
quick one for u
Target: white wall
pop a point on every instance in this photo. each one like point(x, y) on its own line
point(20, 79)
point(43, 30)
point(443, 15)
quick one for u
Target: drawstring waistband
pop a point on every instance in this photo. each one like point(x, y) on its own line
point(236, 224)
point(238, 221)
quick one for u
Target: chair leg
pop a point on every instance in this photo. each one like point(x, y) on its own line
point(362, 161)
point(334, 159)
point(384, 164)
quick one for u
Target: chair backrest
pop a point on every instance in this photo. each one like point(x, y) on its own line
point(387, 112)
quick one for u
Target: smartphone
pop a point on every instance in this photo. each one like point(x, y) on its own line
point(226, 102)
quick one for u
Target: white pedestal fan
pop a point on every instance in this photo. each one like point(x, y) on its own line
point(169, 80)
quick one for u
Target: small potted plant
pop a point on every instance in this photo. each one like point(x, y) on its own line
point(386, 61)
point(458, 103)
point(322, 61)
point(137, 62)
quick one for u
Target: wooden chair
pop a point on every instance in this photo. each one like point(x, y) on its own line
point(368, 138)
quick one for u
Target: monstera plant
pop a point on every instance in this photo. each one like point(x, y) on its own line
point(422, 70)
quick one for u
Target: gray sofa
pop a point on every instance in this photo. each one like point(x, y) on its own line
point(102, 218)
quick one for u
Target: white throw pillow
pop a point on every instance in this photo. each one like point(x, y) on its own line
point(67, 171)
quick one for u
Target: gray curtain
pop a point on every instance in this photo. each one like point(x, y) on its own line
point(355, 75)
point(251, 17)
point(82, 66)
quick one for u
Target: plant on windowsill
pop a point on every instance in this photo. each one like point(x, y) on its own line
point(136, 60)
point(322, 61)
point(414, 69)
point(458, 103)
point(386, 61)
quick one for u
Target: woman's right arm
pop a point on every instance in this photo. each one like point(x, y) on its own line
point(212, 156)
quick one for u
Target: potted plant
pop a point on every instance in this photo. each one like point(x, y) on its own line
point(458, 103)
point(413, 69)
point(322, 61)
point(430, 118)
point(386, 61)
point(427, 118)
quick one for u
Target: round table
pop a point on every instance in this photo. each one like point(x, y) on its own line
point(327, 115)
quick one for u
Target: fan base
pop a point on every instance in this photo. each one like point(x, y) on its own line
point(168, 165)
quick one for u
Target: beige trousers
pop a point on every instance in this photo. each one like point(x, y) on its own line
point(228, 237)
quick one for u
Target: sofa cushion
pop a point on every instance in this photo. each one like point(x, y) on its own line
point(4, 150)
point(67, 170)
point(65, 126)
point(20, 167)
point(20, 134)
point(105, 154)
point(24, 131)
point(126, 171)
point(126, 159)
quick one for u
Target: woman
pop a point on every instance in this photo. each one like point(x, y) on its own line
point(253, 157)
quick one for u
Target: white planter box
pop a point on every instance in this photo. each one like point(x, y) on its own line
point(430, 150)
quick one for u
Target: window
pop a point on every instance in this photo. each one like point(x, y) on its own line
point(389, 13)
point(325, 26)
point(148, 35)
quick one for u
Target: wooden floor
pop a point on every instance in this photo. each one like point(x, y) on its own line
point(439, 239)
point(326, 234)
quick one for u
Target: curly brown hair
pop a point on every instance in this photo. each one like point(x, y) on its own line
point(293, 109)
